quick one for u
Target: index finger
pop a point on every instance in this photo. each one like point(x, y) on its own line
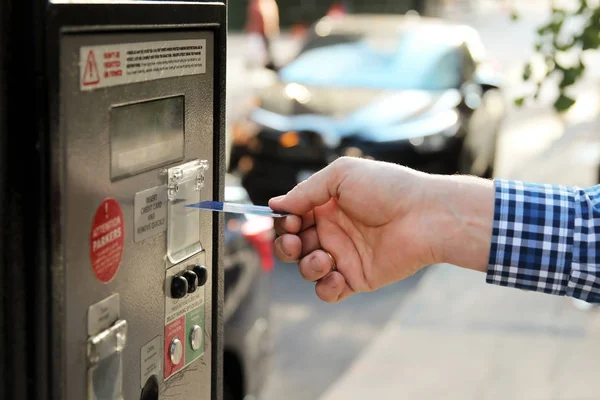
point(313, 192)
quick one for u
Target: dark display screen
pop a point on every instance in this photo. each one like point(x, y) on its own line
point(146, 135)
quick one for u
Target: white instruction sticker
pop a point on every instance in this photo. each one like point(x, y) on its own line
point(150, 360)
point(150, 207)
point(120, 64)
point(103, 314)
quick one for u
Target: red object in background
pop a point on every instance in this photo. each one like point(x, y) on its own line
point(260, 233)
point(338, 9)
point(299, 31)
point(255, 19)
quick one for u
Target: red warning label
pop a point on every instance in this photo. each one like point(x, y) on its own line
point(107, 240)
point(90, 72)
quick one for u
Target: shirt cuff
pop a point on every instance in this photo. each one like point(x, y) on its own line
point(532, 237)
point(584, 282)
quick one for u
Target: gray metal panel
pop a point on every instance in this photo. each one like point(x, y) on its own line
point(85, 152)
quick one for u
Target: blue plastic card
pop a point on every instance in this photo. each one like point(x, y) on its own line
point(218, 206)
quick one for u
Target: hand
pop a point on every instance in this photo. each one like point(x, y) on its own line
point(380, 222)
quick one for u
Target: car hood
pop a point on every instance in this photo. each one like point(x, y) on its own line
point(341, 112)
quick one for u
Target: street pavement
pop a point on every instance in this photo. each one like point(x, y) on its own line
point(316, 342)
point(445, 333)
point(456, 338)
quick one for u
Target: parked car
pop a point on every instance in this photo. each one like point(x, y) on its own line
point(409, 90)
point(248, 262)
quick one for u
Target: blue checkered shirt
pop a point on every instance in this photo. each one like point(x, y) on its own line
point(546, 238)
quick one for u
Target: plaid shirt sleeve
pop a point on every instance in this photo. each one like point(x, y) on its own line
point(546, 238)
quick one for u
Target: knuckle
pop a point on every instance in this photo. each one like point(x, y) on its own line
point(343, 162)
point(299, 186)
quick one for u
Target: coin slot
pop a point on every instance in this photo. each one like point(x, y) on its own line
point(150, 390)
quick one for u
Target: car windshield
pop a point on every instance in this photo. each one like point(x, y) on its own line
point(416, 60)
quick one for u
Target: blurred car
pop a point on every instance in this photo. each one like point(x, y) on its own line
point(410, 90)
point(248, 261)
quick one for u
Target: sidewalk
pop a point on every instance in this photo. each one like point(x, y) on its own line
point(460, 339)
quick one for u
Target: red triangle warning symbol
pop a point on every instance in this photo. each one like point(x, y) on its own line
point(90, 73)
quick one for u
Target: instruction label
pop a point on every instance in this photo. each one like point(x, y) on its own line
point(103, 314)
point(121, 64)
point(150, 207)
point(151, 359)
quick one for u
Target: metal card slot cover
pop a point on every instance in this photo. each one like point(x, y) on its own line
point(185, 183)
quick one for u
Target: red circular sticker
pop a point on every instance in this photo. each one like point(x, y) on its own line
point(107, 240)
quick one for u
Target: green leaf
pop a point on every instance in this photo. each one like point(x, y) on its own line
point(590, 38)
point(563, 103)
point(582, 6)
point(520, 101)
point(558, 14)
point(527, 72)
point(556, 27)
point(563, 46)
point(514, 15)
point(568, 79)
point(538, 47)
point(571, 75)
point(543, 29)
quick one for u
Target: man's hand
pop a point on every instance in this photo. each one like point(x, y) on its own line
point(381, 223)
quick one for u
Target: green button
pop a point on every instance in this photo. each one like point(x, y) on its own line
point(193, 320)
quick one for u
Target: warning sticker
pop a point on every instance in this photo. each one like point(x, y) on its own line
point(150, 207)
point(107, 240)
point(120, 64)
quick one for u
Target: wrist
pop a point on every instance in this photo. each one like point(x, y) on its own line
point(462, 220)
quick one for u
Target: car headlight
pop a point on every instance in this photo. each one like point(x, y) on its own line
point(433, 143)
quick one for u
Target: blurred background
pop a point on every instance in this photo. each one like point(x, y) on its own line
point(494, 88)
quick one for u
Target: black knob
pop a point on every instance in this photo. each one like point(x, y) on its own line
point(192, 280)
point(179, 287)
point(202, 274)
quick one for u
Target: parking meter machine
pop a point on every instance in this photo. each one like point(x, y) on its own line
point(111, 122)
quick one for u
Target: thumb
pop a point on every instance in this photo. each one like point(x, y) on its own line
point(313, 192)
